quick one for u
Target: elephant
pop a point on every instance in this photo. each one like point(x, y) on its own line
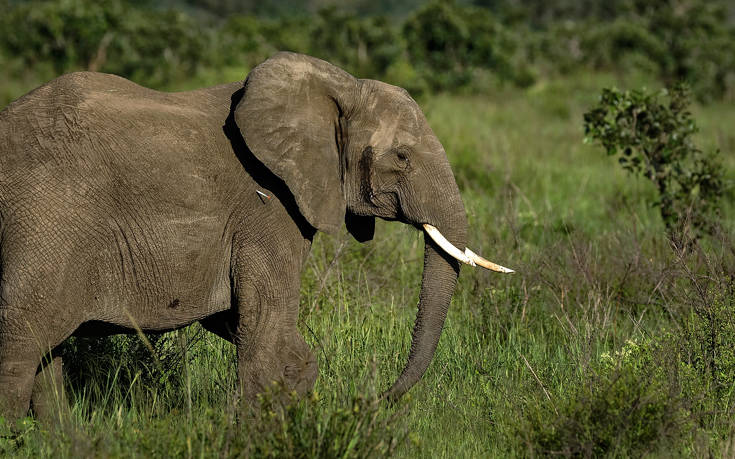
point(126, 209)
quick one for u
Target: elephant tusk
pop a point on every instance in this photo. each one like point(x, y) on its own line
point(468, 256)
point(487, 264)
point(446, 245)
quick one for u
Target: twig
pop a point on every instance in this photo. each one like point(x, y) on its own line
point(540, 383)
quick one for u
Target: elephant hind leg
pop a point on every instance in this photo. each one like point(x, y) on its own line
point(48, 398)
point(18, 364)
point(21, 355)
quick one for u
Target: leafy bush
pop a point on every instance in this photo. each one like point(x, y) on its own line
point(707, 336)
point(358, 429)
point(624, 43)
point(444, 45)
point(242, 42)
point(678, 41)
point(698, 40)
point(446, 42)
point(66, 33)
point(156, 47)
point(364, 46)
point(651, 136)
point(690, 41)
point(150, 46)
point(629, 406)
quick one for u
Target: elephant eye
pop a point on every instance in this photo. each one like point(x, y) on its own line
point(402, 156)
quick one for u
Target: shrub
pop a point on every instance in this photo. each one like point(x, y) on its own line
point(687, 41)
point(365, 47)
point(152, 47)
point(446, 42)
point(357, 428)
point(651, 135)
point(706, 288)
point(242, 42)
point(66, 33)
point(625, 43)
point(662, 393)
point(155, 47)
point(631, 404)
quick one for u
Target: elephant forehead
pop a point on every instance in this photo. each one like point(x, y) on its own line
point(393, 131)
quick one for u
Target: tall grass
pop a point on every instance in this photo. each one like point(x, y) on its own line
point(608, 340)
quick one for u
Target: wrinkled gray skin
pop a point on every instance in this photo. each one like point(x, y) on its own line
point(123, 207)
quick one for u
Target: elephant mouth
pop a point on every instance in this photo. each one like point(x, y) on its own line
point(468, 256)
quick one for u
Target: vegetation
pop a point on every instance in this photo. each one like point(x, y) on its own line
point(438, 45)
point(652, 138)
point(609, 341)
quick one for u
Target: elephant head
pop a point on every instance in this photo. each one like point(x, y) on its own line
point(351, 150)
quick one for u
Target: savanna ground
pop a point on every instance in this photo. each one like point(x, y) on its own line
point(607, 341)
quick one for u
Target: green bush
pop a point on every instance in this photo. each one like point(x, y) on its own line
point(358, 429)
point(630, 405)
point(446, 42)
point(706, 339)
point(150, 46)
point(444, 45)
point(651, 135)
point(366, 47)
point(691, 42)
point(155, 48)
point(700, 44)
point(625, 43)
point(242, 42)
point(66, 33)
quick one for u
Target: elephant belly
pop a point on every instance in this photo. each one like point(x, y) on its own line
point(163, 279)
point(153, 306)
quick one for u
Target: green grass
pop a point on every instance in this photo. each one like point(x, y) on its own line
point(523, 358)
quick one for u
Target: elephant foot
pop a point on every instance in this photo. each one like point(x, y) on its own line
point(288, 371)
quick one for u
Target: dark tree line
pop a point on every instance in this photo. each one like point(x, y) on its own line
point(439, 45)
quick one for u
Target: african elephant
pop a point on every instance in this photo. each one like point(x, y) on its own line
point(124, 208)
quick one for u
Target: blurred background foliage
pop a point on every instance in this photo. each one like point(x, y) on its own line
point(438, 45)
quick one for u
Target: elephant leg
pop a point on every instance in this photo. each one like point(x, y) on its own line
point(44, 297)
point(48, 398)
point(19, 361)
point(271, 352)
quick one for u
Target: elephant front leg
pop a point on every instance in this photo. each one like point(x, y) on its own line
point(272, 354)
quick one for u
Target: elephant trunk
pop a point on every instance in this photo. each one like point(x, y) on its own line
point(437, 286)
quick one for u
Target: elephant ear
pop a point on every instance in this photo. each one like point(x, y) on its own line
point(289, 117)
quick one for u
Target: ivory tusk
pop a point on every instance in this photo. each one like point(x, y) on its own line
point(487, 264)
point(446, 245)
point(468, 256)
